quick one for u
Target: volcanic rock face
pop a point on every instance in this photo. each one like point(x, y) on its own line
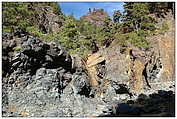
point(27, 54)
point(40, 80)
point(43, 80)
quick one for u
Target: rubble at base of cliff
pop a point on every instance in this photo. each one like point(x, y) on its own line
point(40, 81)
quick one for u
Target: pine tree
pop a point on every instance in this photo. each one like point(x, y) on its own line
point(20, 15)
point(135, 14)
point(15, 16)
point(116, 16)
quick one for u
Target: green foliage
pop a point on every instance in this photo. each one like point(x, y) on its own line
point(117, 28)
point(46, 37)
point(136, 16)
point(56, 8)
point(140, 10)
point(138, 39)
point(134, 38)
point(122, 39)
point(77, 36)
point(107, 21)
point(164, 27)
point(6, 29)
point(137, 23)
point(17, 48)
point(116, 16)
point(20, 15)
point(15, 16)
point(160, 7)
point(34, 31)
point(49, 37)
point(71, 38)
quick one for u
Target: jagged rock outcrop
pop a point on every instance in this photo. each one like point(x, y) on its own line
point(27, 54)
point(95, 16)
point(42, 79)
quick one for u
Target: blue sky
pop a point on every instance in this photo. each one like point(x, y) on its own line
point(81, 8)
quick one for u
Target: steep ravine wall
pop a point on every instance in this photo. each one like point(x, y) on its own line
point(142, 70)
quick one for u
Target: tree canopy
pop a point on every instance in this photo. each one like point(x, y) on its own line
point(80, 36)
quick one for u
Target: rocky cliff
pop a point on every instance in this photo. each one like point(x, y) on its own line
point(140, 69)
point(42, 80)
point(95, 16)
point(45, 19)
